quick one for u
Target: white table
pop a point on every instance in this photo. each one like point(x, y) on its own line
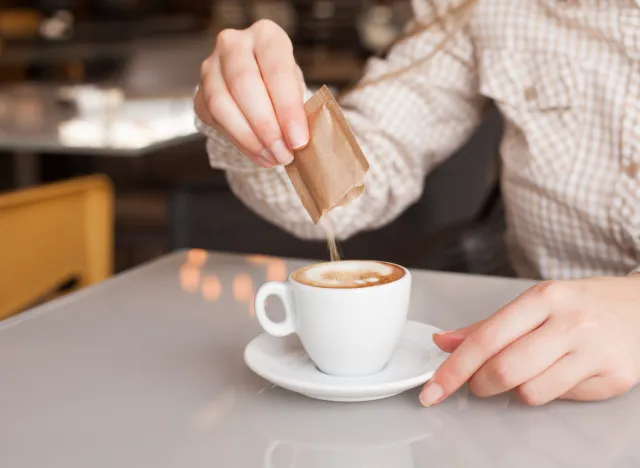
point(145, 370)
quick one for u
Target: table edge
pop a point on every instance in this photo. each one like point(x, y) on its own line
point(166, 258)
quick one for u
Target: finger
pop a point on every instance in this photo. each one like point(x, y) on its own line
point(228, 117)
point(243, 78)
point(274, 54)
point(507, 325)
point(557, 380)
point(598, 388)
point(448, 341)
point(265, 159)
point(200, 108)
point(522, 361)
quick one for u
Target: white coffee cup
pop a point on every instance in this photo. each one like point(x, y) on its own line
point(347, 332)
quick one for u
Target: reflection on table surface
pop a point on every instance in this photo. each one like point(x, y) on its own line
point(146, 369)
point(89, 119)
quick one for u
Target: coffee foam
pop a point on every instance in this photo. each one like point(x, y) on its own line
point(348, 274)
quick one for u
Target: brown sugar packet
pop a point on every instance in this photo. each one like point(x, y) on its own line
point(330, 170)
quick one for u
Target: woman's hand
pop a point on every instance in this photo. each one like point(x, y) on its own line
point(251, 90)
point(577, 340)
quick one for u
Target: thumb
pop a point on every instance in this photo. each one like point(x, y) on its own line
point(448, 341)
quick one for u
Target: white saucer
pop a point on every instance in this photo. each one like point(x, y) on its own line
point(283, 362)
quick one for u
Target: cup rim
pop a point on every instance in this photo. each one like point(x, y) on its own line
point(407, 275)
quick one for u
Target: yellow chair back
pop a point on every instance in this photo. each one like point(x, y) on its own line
point(52, 234)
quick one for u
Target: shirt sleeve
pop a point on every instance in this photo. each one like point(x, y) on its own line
point(406, 123)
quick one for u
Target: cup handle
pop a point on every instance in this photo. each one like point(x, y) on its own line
point(283, 291)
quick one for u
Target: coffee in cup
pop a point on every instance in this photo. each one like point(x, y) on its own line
point(348, 275)
point(349, 315)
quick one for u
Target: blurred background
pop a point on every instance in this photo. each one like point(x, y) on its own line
point(104, 87)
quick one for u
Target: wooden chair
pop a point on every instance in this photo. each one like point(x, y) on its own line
point(54, 235)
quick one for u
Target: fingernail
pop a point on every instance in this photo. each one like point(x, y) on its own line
point(443, 332)
point(281, 152)
point(269, 157)
point(297, 136)
point(431, 394)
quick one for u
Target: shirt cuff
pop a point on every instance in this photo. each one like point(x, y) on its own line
point(222, 154)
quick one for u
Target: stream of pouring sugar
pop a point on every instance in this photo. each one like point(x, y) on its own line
point(332, 243)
